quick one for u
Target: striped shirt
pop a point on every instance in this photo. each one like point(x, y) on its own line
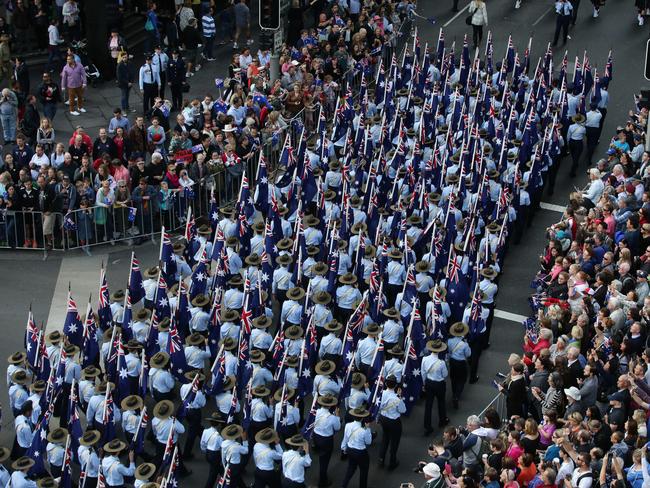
point(209, 29)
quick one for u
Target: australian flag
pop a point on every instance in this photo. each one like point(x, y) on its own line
point(200, 277)
point(72, 327)
point(108, 418)
point(90, 348)
point(411, 378)
point(262, 195)
point(167, 262)
point(161, 306)
point(137, 443)
point(127, 318)
point(136, 288)
point(310, 421)
point(32, 336)
point(122, 380)
point(74, 424)
point(188, 399)
point(176, 354)
point(66, 471)
point(38, 450)
point(218, 374)
point(104, 304)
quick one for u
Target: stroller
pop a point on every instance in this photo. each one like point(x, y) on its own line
point(92, 72)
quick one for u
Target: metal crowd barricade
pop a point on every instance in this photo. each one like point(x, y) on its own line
point(499, 404)
point(23, 229)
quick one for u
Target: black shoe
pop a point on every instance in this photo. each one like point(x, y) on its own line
point(381, 463)
point(427, 432)
point(473, 380)
point(393, 466)
point(325, 484)
point(455, 9)
point(572, 174)
point(455, 403)
point(443, 422)
point(487, 346)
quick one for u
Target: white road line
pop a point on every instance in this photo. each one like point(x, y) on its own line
point(512, 317)
point(552, 207)
point(457, 15)
point(542, 16)
point(82, 272)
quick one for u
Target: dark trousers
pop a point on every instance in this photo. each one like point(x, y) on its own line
point(561, 23)
point(477, 34)
point(124, 100)
point(214, 461)
point(193, 430)
point(392, 434)
point(458, 375)
point(287, 483)
point(575, 148)
point(592, 141)
point(552, 174)
point(177, 96)
point(236, 472)
point(574, 15)
point(267, 478)
point(163, 84)
point(434, 390)
point(357, 459)
point(476, 345)
point(488, 323)
point(149, 92)
point(324, 448)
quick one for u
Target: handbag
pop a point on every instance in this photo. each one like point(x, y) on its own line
point(148, 26)
point(468, 20)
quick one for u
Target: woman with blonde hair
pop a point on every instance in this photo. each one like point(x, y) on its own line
point(478, 18)
point(45, 135)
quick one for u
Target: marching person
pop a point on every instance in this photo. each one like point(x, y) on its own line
point(356, 439)
point(391, 409)
point(434, 374)
point(459, 353)
point(326, 423)
point(88, 457)
point(294, 461)
point(266, 453)
point(112, 468)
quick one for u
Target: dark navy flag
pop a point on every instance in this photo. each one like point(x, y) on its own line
point(104, 305)
point(280, 421)
point(245, 202)
point(218, 371)
point(199, 279)
point(132, 214)
point(136, 287)
point(143, 380)
point(66, 469)
point(32, 336)
point(232, 411)
point(127, 318)
point(214, 324)
point(183, 315)
point(152, 347)
point(176, 353)
point(375, 400)
point(344, 392)
point(167, 262)
point(244, 365)
point(377, 361)
point(38, 449)
point(74, 424)
point(161, 306)
point(411, 378)
point(305, 380)
point(108, 418)
point(137, 442)
point(72, 327)
point(68, 222)
point(278, 351)
point(262, 195)
point(90, 348)
point(310, 421)
point(309, 187)
point(123, 387)
point(224, 481)
point(609, 71)
point(418, 334)
point(43, 366)
point(188, 399)
point(248, 401)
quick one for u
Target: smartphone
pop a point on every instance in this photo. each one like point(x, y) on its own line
point(448, 468)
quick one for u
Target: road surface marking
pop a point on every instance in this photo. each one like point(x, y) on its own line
point(552, 207)
point(542, 16)
point(512, 317)
point(457, 15)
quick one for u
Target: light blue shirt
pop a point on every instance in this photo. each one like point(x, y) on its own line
point(423, 282)
point(211, 440)
point(396, 273)
point(347, 297)
point(324, 385)
point(55, 453)
point(356, 436)
point(130, 421)
point(162, 427)
point(321, 315)
point(264, 456)
point(260, 411)
point(326, 424)
point(318, 283)
point(232, 451)
point(261, 376)
point(96, 410)
point(393, 367)
point(576, 132)
point(392, 406)
point(132, 365)
point(291, 312)
point(366, 350)
point(293, 465)
point(199, 399)
point(114, 471)
point(140, 331)
point(4, 476)
point(433, 368)
point(23, 430)
point(458, 349)
point(229, 329)
point(292, 418)
point(313, 236)
point(199, 320)
point(563, 8)
point(392, 331)
point(20, 480)
point(196, 356)
point(89, 461)
point(330, 344)
point(345, 263)
point(357, 398)
point(161, 380)
point(282, 279)
point(233, 298)
point(17, 396)
point(224, 400)
point(260, 339)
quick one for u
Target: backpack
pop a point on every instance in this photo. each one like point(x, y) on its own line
point(484, 449)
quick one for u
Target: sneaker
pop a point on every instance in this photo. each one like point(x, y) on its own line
point(250, 42)
point(34, 244)
point(211, 59)
point(595, 13)
point(188, 74)
point(235, 45)
point(197, 67)
point(74, 112)
point(518, 4)
point(82, 110)
point(86, 250)
point(67, 102)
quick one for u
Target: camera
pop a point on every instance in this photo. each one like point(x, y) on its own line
point(419, 467)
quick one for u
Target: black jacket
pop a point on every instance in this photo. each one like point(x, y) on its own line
point(49, 93)
point(124, 75)
point(176, 72)
point(31, 122)
point(516, 397)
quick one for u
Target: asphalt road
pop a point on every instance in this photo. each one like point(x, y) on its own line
point(27, 279)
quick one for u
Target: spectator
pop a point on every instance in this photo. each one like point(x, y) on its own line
point(124, 75)
point(209, 32)
point(8, 115)
point(73, 79)
point(49, 95)
point(242, 22)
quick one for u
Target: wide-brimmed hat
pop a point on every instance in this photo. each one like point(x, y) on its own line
point(414, 220)
point(232, 432)
point(117, 296)
point(313, 251)
point(396, 350)
point(284, 260)
point(333, 326)
point(253, 260)
point(325, 367)
point(327, 400)
point(200, 300)
point(441, 291)
point(293, 332)
point(319, 269)
point(204, 230)
point(422, 266)
point(267, 436)
point(145, 471)
point(90, 438)
point(296, 441)
point(359, 227)
point(178, 248)
point(391, 313)
point(348, 279)
point(578, 118)
point(159, 360)
point(133, 345)
point(229, 382)
point(151, 272)
point(38, 386)
point(296, 293)
point(262, 322)
point(284, 244)
point(358, 380)
point(290, 392)
point(143, 314)
point(22, 463)
point(436, 345)
point(227, 210)
point(4, 454)
point(230, 315)
point(489, 273)
point(103, 386)
point(132, 402)
point(19, 377)
point(311, 221)
point(359, 412)
point(57, 435)
point(260, 391)
point(459, 329)
point(395, 254)
point(236, 280)
point(434, 197)
point(17, 358)
point(190, 375)
point(70, 349)
point(292, 361)
point(322, 298)
point(493, 227)
point(229, 344)
point(54, 337)
point(257, 356)
point(114, 446)
point(372, 329)
point(194, 339)
point(215, 418)
point(163, 409)
point(164, 324)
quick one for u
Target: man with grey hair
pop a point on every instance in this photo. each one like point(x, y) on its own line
point(575, 368)
point(472, 443)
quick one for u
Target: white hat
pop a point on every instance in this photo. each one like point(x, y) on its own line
point(229, 128)
point(432, 470)
point(595, 172)
point(573, 392)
